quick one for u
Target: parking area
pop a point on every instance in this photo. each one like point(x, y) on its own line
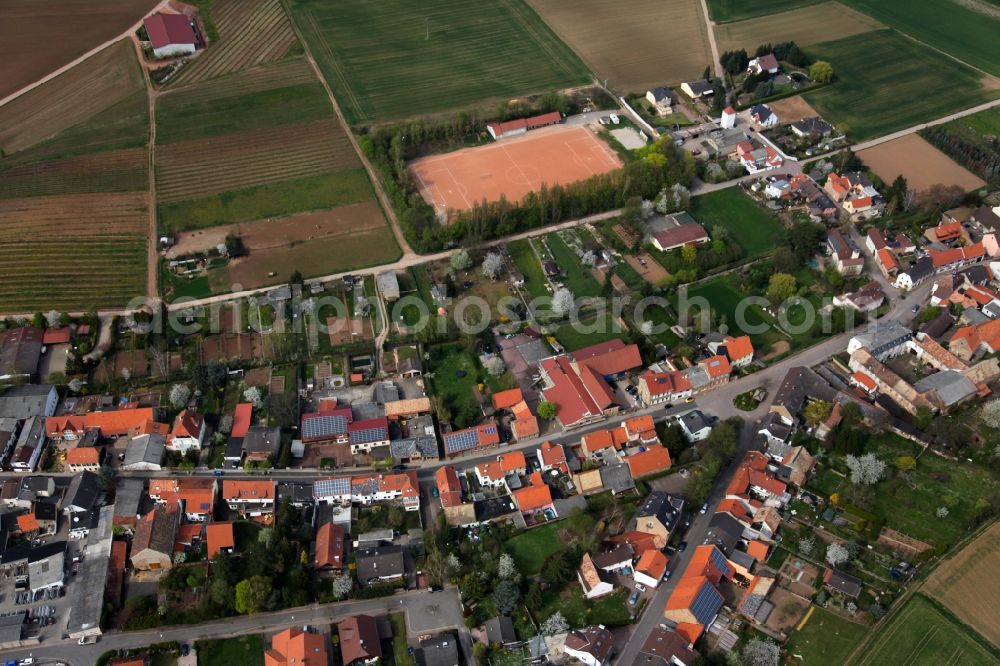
point(522, 353)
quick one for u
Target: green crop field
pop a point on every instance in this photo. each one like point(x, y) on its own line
point(179, 118)
point(396, 58)
point(271, 200)
point(757, 231)
point(826, 639)
point(886, 82)
point(723, 11)
point(921, 633)
point(966, 30)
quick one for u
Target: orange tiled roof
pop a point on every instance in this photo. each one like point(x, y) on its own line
point(689, 630)
point(247, 490)
point(642, 426)
point(120, 421)
point(507, 399)
point(653, 459)
point(330, 546)
point(867, 382)
point(533, 498)
point(717, 366)
point(242, 416)
point(738, 347)
point(653, 563)
point(219, 536)
point(512, 461)
point(554, 455)
point(83, 455)
point(757, 550)
point(887, 259)
point(734, 508)
point(449, 487)
point(26, 522)
point(188, 424)
point(294, 646)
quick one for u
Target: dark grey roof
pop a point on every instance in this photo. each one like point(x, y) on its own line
point(661, 93)
point(985, 216)
point(724, 531)
point(618, 478)
point(665, 507)
point(500, 630)
point(799, 383)
point(814, 125)
point(760, 110)
point(494, 507)
point(82, 492)
point(46, 551)
point(128, 496)
point(299, 492)
point(700, 87)
point(440, 650)
point(381, 562)
point(46, 509)
point(612, 557)
point(951, 386)
point(978, 274)
point(11, 626)
point(24, 401)
point(145, 449)
point(745, 560)
point(662, 646)
point(234, 448)
point(939, 325)
point(407, 448)
point(261, 439)
point(845, 583)
point(921, 269)
point(694, 421)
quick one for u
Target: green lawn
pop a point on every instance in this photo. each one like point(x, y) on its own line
point(984, 123)
point(593, 331)
point(399, 646)
point(977, 23)
point(395, 58)
point(661, 318)
point(530, 549)
point(245, 650)
point(724, 297)
point(723, 11)
point(454, 392)
point(272, 200)
point(909, 504)
point(611, 610)
point(178, 119)
point(755, 229)
point(886, 82)
point(920, 633)
point(528, 265)
point(826, 639)
point(576, 277)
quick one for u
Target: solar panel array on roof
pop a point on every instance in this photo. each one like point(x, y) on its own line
point(324, 426)
point(706, 604)
point(719, 561)
point(461, 441)
point(331, 487)
point(368, 435)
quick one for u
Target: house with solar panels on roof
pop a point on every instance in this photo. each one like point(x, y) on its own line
point(471, 440)
point(402, 489)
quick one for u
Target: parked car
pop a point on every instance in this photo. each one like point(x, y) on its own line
point(633, 598)
point(682, 546)
point(704, 508)
point(916, 308)
point(666, 575)
point(435, 492)
point(640, 587)
point(185, 650)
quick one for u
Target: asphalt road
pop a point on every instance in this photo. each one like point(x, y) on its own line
point(425, 613)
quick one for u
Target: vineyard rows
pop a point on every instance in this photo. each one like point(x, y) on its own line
point(193, 169)
point(252, 32)
point(278, 75)
point(71, 215)
point(115, 171)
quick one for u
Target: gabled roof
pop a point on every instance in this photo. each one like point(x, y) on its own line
point(663, 646)
point(83, 455)
point(329, 546)
point(512, 461)
point(653, 563)
point(247, 490)
point(595, 641)
point(654, 459)
point(553, 455)
point(609, 358)
point(482, 435)
point(57, 336)
point(241, 419)
point(533, 498)
point(716, 366)
point(156, 531)
point(507, 399)
point(738, 347)
point(219, 536)
point(188, 424)
point(295, 647)
point(166, 29)
point(449, 487)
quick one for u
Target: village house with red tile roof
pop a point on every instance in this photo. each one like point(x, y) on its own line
point(448, 486)
point(83, 458)
point(330, 539)
point(249, 498)
point(187, 433)
point(297, 647)
point(653, 460)
point(220, 538)
point(552, 456)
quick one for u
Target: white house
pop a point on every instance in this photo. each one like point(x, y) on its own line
point(763, 115)
point(187, 433)
point(662, 100)
point(765, 63)
point(695, 426)
point(593, 646)
point(593, 583)
point(172, 35)
point(650, 568)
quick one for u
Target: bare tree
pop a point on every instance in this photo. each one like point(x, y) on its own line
point(563, 301)
point(495, 366)
point(341, 585)
point(942, 512)
point(179, 395)
point(52, 319)
point(253, 396)
point(555, 624)
point(507, 568)
point(492, 265)
point(460, 260)
point(759, 652)
point(836, 554)
point(807, 545)
point(866, 470)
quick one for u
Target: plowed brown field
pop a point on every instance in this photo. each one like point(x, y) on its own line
point(73, 97)
point(919, 162)
point(968, 585)
point(38, 37)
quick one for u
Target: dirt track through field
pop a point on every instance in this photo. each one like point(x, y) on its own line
point(71, 98)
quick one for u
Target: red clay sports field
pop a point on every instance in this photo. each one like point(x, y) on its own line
point(512, 167)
